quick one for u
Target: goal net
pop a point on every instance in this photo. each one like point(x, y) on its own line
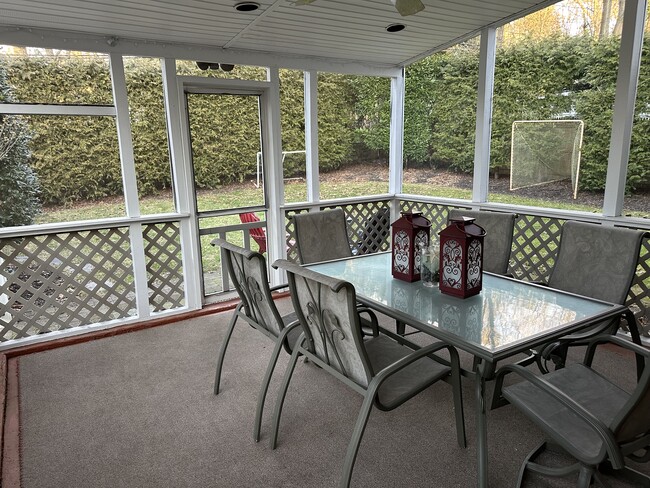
point(544, 151)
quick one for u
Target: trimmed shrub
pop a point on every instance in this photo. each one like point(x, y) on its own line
point(19, 187)
point(560, 77)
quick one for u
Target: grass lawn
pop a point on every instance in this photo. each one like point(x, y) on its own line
point(238, 196)
point(243, 196)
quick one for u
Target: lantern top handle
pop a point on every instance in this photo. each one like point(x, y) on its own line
point(416, 218)
point(467, 225)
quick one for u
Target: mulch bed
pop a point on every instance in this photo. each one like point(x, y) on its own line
point(557, 191)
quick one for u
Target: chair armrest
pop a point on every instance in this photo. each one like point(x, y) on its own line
point(374, 322)
point(587, 335)
point(385, 373)
point(285, 332)
point(615, 455)
point(639, 351)
point(279, 287)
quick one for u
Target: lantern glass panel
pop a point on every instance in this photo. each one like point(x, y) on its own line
point(451, 269)
point(401, 252)
point(474, 259)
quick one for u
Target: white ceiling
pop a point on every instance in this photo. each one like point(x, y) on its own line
point(334, 30)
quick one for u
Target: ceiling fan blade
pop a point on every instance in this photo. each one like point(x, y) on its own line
point(408, 7)
point(404, 7)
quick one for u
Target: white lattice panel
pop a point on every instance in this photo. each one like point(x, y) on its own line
point(535, 245)
point(536, 242)
point(436, 214)
point(292, 247)
point(60, 281)
point(164, 266)
point(368, 225)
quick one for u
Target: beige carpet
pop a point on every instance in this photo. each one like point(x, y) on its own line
point(137, 410)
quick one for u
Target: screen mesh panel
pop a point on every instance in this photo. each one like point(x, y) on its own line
point(544, 151)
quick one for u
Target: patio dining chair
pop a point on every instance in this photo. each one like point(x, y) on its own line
point(248, 272)
point(497, 245)
point(257, 233)
point(387, 370)
point(598, 262)
point(323, 236)
point(586, 415)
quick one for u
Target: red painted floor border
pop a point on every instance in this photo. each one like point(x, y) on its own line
point(11, 428)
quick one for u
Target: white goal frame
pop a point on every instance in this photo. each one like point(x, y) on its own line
point(575, 172)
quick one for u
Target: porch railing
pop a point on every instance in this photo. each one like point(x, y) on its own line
point(244, 238)
point(535, 243)
point(85, 275)
point(72, 277)
point(534, 250)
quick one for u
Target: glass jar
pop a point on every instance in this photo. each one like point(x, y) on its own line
point(430, 264)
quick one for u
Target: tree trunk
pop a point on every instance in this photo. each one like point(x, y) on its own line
point(618, 27)
point(604, 19)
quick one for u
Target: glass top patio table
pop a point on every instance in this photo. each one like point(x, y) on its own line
point(507, 317)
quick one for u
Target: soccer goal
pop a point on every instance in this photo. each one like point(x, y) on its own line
point(544, 151)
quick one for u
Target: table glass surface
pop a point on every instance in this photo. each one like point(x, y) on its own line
point(507, 312)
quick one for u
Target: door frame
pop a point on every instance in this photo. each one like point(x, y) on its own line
point(208, 86)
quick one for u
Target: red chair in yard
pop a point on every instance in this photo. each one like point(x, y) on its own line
point(258, 233)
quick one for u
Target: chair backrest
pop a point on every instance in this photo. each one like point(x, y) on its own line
point(596, 261)
point(247, 270)
point(499, 228)
point(321, 236)
point(257, 233)
point(326, 309)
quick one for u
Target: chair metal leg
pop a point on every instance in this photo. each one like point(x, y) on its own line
point(267, 380)
point(458, 410)
point(224, 346)
point(628, 474)
point(585, 472)
point(585, 476)
point(400, 327)
point(601, 480)
point(635, 476)
point(282, 394)
point(357, 434)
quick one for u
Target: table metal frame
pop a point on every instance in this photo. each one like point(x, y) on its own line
point(488, 358)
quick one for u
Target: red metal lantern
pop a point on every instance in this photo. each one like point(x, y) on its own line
point(410, 233)
point(461, 258)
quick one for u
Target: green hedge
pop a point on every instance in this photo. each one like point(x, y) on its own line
point(76, 158)
point(19, 186)
point(534, 80)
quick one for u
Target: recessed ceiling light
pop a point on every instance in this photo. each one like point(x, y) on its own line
point(247, 6)
point(395, 27)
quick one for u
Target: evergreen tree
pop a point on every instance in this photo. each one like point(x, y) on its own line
point(19, 188)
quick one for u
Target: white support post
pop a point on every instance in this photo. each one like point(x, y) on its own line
point(179, 150)
point(273, 174)
point(623, 118)
point(311, 136)
point(487, 58)
point(4, 298)
point(123, 122)
point(129, 183)
point(396, 150)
